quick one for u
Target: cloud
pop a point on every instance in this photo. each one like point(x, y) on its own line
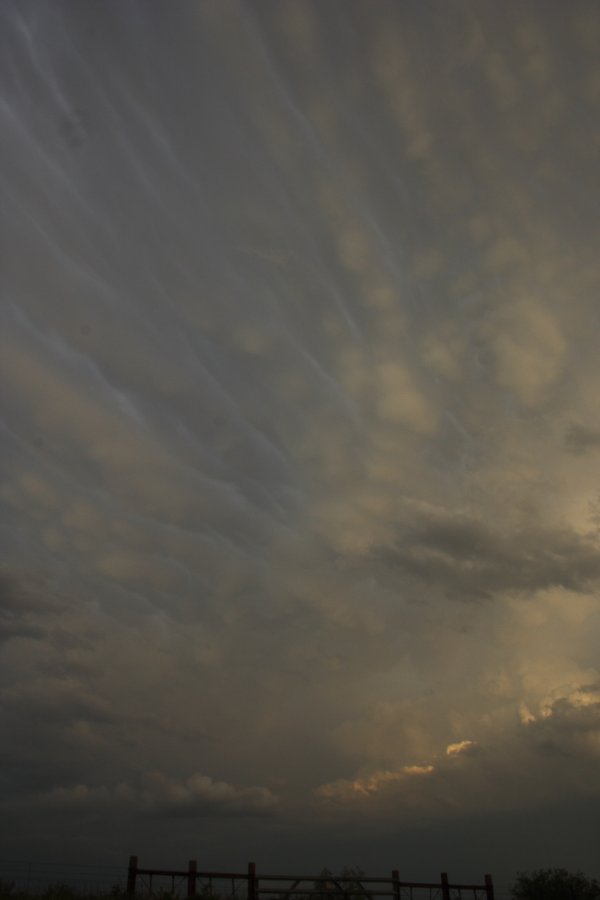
point(460, 747)
point(401, 402)
point(344, 790)
point(470, 559)
point(581, 439)
point(299, 428)
point(197, 795)
point(515, 770)
point(529, 349)
point(200, 793)
point(576, 709)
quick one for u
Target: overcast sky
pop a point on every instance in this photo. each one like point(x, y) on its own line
point(301, 433)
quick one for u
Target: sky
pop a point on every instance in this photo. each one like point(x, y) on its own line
point(301, 434)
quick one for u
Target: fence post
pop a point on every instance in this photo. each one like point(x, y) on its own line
point(445, 887)
point(191, 881)
point(252, 892)
point(489, 888)
point(131, 874)
point(396, 884)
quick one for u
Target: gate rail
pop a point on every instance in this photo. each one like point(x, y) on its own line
point(323, 887)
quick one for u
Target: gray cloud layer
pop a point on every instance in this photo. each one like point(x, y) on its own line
point(300, 430)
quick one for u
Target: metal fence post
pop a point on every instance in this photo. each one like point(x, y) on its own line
point(131, 875)
point(396, 884)
point(489, 887)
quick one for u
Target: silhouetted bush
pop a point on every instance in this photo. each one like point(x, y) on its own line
point(555, 884)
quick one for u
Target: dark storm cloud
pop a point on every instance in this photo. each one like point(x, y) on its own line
point(299, 345)
point(468, 559)
point(9, 629)
point(26, 593)
point(580, 439)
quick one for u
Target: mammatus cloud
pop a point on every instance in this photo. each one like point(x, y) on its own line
point(301, 508)
point(579, 439)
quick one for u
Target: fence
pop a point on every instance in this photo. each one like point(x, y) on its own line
point(33, 877)
point(289, 887)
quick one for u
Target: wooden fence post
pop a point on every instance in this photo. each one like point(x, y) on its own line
point(396, 884)
point(252, 892)
point(445, 887)
point(489, 888)
point(131, 875)
point(191, 879)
